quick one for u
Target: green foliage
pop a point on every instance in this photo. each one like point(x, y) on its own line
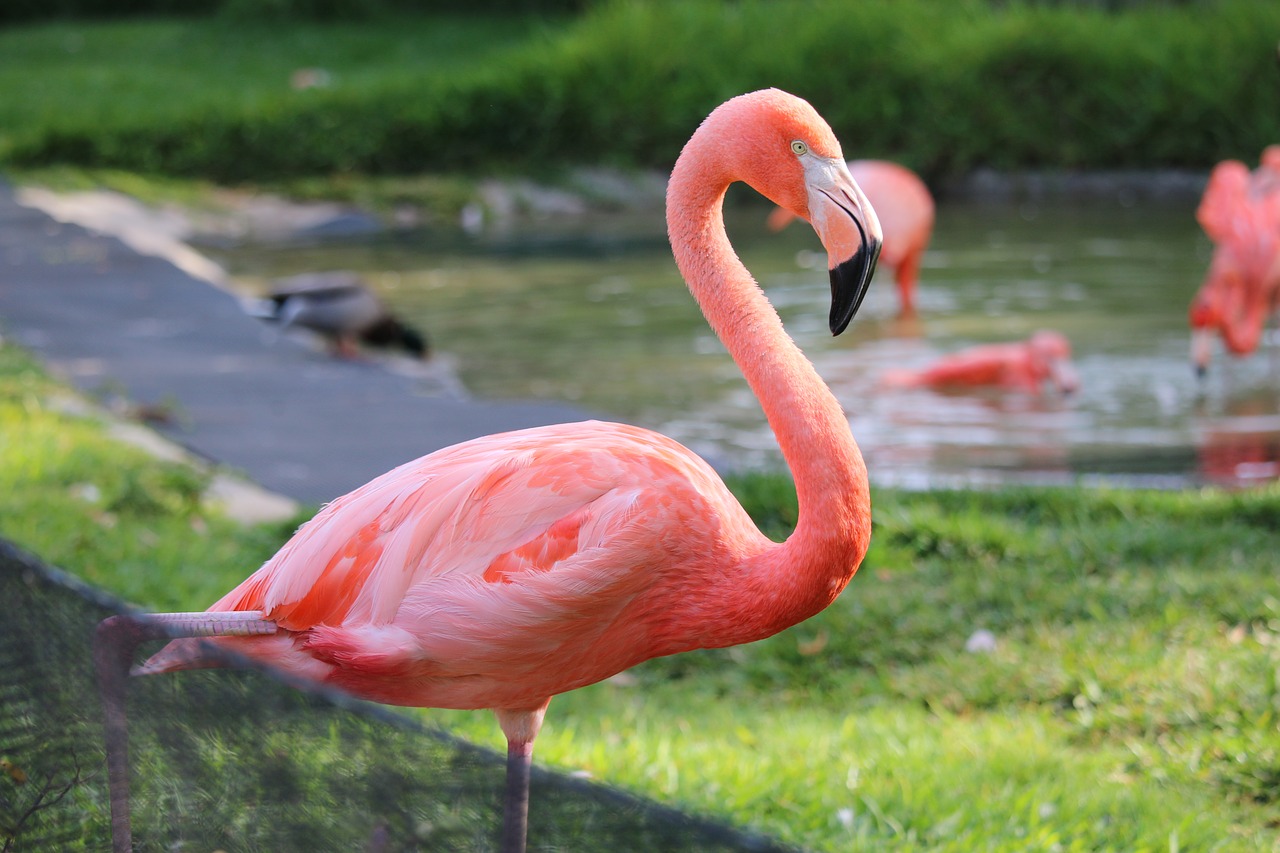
point(944, 88)
point(215, 99)
point(278, 11)
point(35, 10)
point(112, 513)
point(1128, 697)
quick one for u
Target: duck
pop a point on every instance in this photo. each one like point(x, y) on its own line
point(339, 307)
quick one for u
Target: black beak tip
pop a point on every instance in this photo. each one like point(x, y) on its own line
point(1201, 371)
point(850, 281)
point(837, 323)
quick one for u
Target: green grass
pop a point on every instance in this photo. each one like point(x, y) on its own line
point(943, 88)
point(147, 70)
point(122, 82)
point(112, 513)
point(1130, 703)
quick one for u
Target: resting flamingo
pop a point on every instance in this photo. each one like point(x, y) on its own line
point(1240, 212)
point(504, 570)
point(905, 209)
point(1018, 366)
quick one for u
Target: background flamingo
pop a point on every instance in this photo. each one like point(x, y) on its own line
point(1021, 366)
point(1240, 212)
point(499, 572)
point(906, 211)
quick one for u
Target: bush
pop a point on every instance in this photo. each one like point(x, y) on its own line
point(942, 88)
point(273, 10)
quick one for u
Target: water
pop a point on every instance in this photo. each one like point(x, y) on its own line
point(595, 313)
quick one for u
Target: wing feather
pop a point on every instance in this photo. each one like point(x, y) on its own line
point(487, 509)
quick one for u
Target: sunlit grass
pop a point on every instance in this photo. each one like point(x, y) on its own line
point(110, 512)
point(879, 776)
point(1126, 699)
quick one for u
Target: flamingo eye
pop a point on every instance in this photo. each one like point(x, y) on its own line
point(799, 148)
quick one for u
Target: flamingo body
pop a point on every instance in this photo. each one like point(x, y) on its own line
point(1240, 212)
point(504, 570)
point(1021, 365)
point(906, 210)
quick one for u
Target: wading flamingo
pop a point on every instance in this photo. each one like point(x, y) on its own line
point(341, 309)
point(905, 209)
point(504, 570)
point(1019, 366)
point(1240, 212)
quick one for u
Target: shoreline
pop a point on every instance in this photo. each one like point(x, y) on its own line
point(167, 227)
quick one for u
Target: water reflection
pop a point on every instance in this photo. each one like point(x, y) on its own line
point(599, 316)
point(1241, 445)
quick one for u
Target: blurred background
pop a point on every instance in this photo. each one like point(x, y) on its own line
point(511, 155)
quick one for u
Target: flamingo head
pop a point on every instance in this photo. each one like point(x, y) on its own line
point(1051, 353)
point(1204, 317)
point(1203, 314)
point(780, 146)
point(1271, 158)
point(1222, 303)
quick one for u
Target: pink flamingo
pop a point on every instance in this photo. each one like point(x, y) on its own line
point(1240, 212)
point(1021, 366)
point(905, 209)
point(504, 570)
point(1266, 178)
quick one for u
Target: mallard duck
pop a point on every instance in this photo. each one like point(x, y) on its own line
point(340, 308)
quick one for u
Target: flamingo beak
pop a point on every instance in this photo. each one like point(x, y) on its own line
point(1201, 351)
point(1065, 377)
point(850, 231)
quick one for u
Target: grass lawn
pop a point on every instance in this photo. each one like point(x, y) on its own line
point(944, 88)
point(140, 71)
point(1128, 699)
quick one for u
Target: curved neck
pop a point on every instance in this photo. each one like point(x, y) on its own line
point(834, 524)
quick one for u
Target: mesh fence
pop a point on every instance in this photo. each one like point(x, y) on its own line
point(236, 760)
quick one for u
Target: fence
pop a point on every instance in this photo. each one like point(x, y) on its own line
point(236, 760)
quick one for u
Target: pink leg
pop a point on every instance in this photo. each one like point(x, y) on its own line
point(906, 276)
point(515, 812)
point(115, 643)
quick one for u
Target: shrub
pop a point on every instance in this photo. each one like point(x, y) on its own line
point(942, 88)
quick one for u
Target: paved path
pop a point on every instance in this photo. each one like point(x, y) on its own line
point(296, 421)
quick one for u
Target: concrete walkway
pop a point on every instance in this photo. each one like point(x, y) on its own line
point(116, 323)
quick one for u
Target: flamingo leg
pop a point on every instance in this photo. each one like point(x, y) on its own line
point(115, 643)
point(115, 646)
point(515, 812)
point(906, 276)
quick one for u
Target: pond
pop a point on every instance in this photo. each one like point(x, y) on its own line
point(595, 313)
